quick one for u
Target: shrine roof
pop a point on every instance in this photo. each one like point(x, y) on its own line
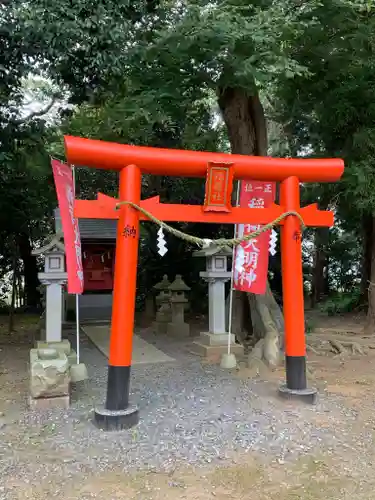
point(213, 250)
point(91, 229)
point(52, 244)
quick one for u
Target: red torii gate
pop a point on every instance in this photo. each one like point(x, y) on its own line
point(133, 161)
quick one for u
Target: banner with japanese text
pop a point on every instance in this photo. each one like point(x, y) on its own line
point(63, 177)
point(251, 257)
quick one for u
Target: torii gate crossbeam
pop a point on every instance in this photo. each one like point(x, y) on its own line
point(131, 162)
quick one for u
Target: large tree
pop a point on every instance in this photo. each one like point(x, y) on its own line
point(170, 53)
point(331, 111)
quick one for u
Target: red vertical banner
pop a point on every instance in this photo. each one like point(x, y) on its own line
point(251, 257)
point(63, 178)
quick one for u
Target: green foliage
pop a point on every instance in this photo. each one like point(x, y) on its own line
point(309, 326)
point(344, 250)
point(175, 50)
point(13, 64)
point(149, 72)
point(81, 44)
point(228, 43)
point(341, 303)
point(331, 110)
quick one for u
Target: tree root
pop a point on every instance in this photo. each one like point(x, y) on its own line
point(255, 367)
point(309, 347)
point(339, 347)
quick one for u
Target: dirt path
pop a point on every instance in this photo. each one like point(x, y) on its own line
point(313, 478)
point(334, 473)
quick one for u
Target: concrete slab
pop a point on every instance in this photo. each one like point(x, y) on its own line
point(143, 352)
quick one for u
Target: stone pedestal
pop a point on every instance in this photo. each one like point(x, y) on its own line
point(212, 346)
point(177, 326)
point(53, 277)
point(163, 317)
point(49, 374)
point(163, 293)
point(215, 339)
point(216, 301)
point(54, 310)
point(63, 346)
point(214, 343)
point(163, 314)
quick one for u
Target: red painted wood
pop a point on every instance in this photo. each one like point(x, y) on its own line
point(185, 163)
point(105, 208)
point(98, 267)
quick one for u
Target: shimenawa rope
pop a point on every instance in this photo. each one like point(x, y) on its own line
point(202, 242)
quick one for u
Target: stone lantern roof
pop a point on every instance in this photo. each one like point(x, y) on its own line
point(164, 284)
point(179, 285)
point(213, 250)
point(54, 244)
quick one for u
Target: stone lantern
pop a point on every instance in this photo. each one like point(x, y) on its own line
point(53, 277)
point(216, 275)
point(163, 314)
point(162, 288)
point(177, 326)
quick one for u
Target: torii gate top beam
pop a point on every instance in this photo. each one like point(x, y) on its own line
point(183, 163)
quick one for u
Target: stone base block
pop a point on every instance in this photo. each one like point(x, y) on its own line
point(49, 373)
point(61, 402)
point(207, 338)
point(178, 329)
point(72, 358)
point(214, 352)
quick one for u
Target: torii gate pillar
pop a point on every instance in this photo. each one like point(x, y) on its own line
point(131, 162)
point(292, 282)
point(117, 412)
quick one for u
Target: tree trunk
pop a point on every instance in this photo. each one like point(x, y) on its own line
point(367, 229)
point(20, 291)
point(320, 266)
point(244, 118)
point(30, 272)
point(13, 297)
point(370, 322)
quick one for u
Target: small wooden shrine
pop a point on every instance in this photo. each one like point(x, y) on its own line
point(98, 239)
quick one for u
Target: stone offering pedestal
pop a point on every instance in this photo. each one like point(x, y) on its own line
point(49, 378)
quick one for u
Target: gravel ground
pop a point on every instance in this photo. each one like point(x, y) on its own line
point(190, 413)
